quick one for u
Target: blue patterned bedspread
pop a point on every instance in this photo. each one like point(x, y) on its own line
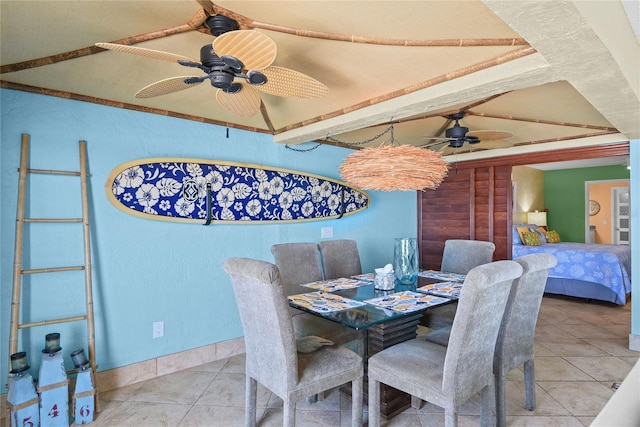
point(607, 265)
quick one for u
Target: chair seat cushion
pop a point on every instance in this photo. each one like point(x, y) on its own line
point(440, 336)
point(314, 368)
point(419, 368)
point(439, 317)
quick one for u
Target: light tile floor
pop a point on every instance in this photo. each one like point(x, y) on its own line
point(581, 350)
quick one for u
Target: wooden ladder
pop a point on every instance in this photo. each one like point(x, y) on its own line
point(19, 272)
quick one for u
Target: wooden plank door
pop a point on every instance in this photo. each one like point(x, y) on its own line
point(472, 203)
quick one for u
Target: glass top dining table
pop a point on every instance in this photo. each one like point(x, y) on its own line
point(361, 306)
point(381, 318)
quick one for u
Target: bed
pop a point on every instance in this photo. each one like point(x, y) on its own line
point(584, 270)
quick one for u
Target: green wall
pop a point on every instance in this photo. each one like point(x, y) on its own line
point(564, 197)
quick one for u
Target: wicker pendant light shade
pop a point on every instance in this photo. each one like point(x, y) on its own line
point(394, 167)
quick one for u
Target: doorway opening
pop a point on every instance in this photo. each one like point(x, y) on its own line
point(607, 212)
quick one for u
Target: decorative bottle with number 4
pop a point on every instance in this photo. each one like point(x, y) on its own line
point(53, 385)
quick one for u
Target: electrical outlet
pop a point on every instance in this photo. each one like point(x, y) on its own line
point(326, 232)
point(158, 329)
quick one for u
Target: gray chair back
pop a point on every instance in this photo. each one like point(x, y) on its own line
point(450, 376)
point(515, 341)
point(469, 361)
point(340, 258)
point(271, 354)
point(514, 345)
point(298, 262)
point(460, 256)
point(268, 331)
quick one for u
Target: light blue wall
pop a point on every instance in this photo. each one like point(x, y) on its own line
point(144, 270)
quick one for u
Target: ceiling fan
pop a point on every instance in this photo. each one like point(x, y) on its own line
point(458, 138)
point(236, 63)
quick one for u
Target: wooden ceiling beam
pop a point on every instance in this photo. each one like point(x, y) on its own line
point(560, 155)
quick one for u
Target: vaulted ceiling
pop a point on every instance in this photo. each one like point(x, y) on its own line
point(545, 75)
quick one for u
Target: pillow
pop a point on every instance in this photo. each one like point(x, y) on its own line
point(311, 343)
point(531, 238)
point(552, 236)
point(541, 230)
point(521, 229)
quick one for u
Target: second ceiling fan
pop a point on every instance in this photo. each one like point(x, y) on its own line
point(458, 138)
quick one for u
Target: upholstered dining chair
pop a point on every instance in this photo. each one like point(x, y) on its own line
point(514, 345)
point(340, 258)
point(270, 343)
point(450, 376)
point(459, 256)
point(298, 263)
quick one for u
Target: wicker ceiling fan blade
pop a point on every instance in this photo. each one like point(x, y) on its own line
point(486, 135)
point(163, 87)
point(491, 144)
point(482, 145)
point(147, 53)
point(291, 84)
point(254, 49)
point(433, 141)
point(245, 102)
point(447, 149)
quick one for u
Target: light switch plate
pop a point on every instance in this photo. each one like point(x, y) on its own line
point(326, 232)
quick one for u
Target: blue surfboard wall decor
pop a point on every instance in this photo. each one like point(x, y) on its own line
point(203, 191)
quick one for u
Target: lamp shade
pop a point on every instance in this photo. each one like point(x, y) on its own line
point(537, 218)
point(392, 167)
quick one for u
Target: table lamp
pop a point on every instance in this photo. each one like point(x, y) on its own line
point(537, 218)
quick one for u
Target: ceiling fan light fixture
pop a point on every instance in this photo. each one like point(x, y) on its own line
point(220, 24)
point(221, 79)
point(394, 168)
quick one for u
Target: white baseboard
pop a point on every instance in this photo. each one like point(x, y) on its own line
point(634, 342)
